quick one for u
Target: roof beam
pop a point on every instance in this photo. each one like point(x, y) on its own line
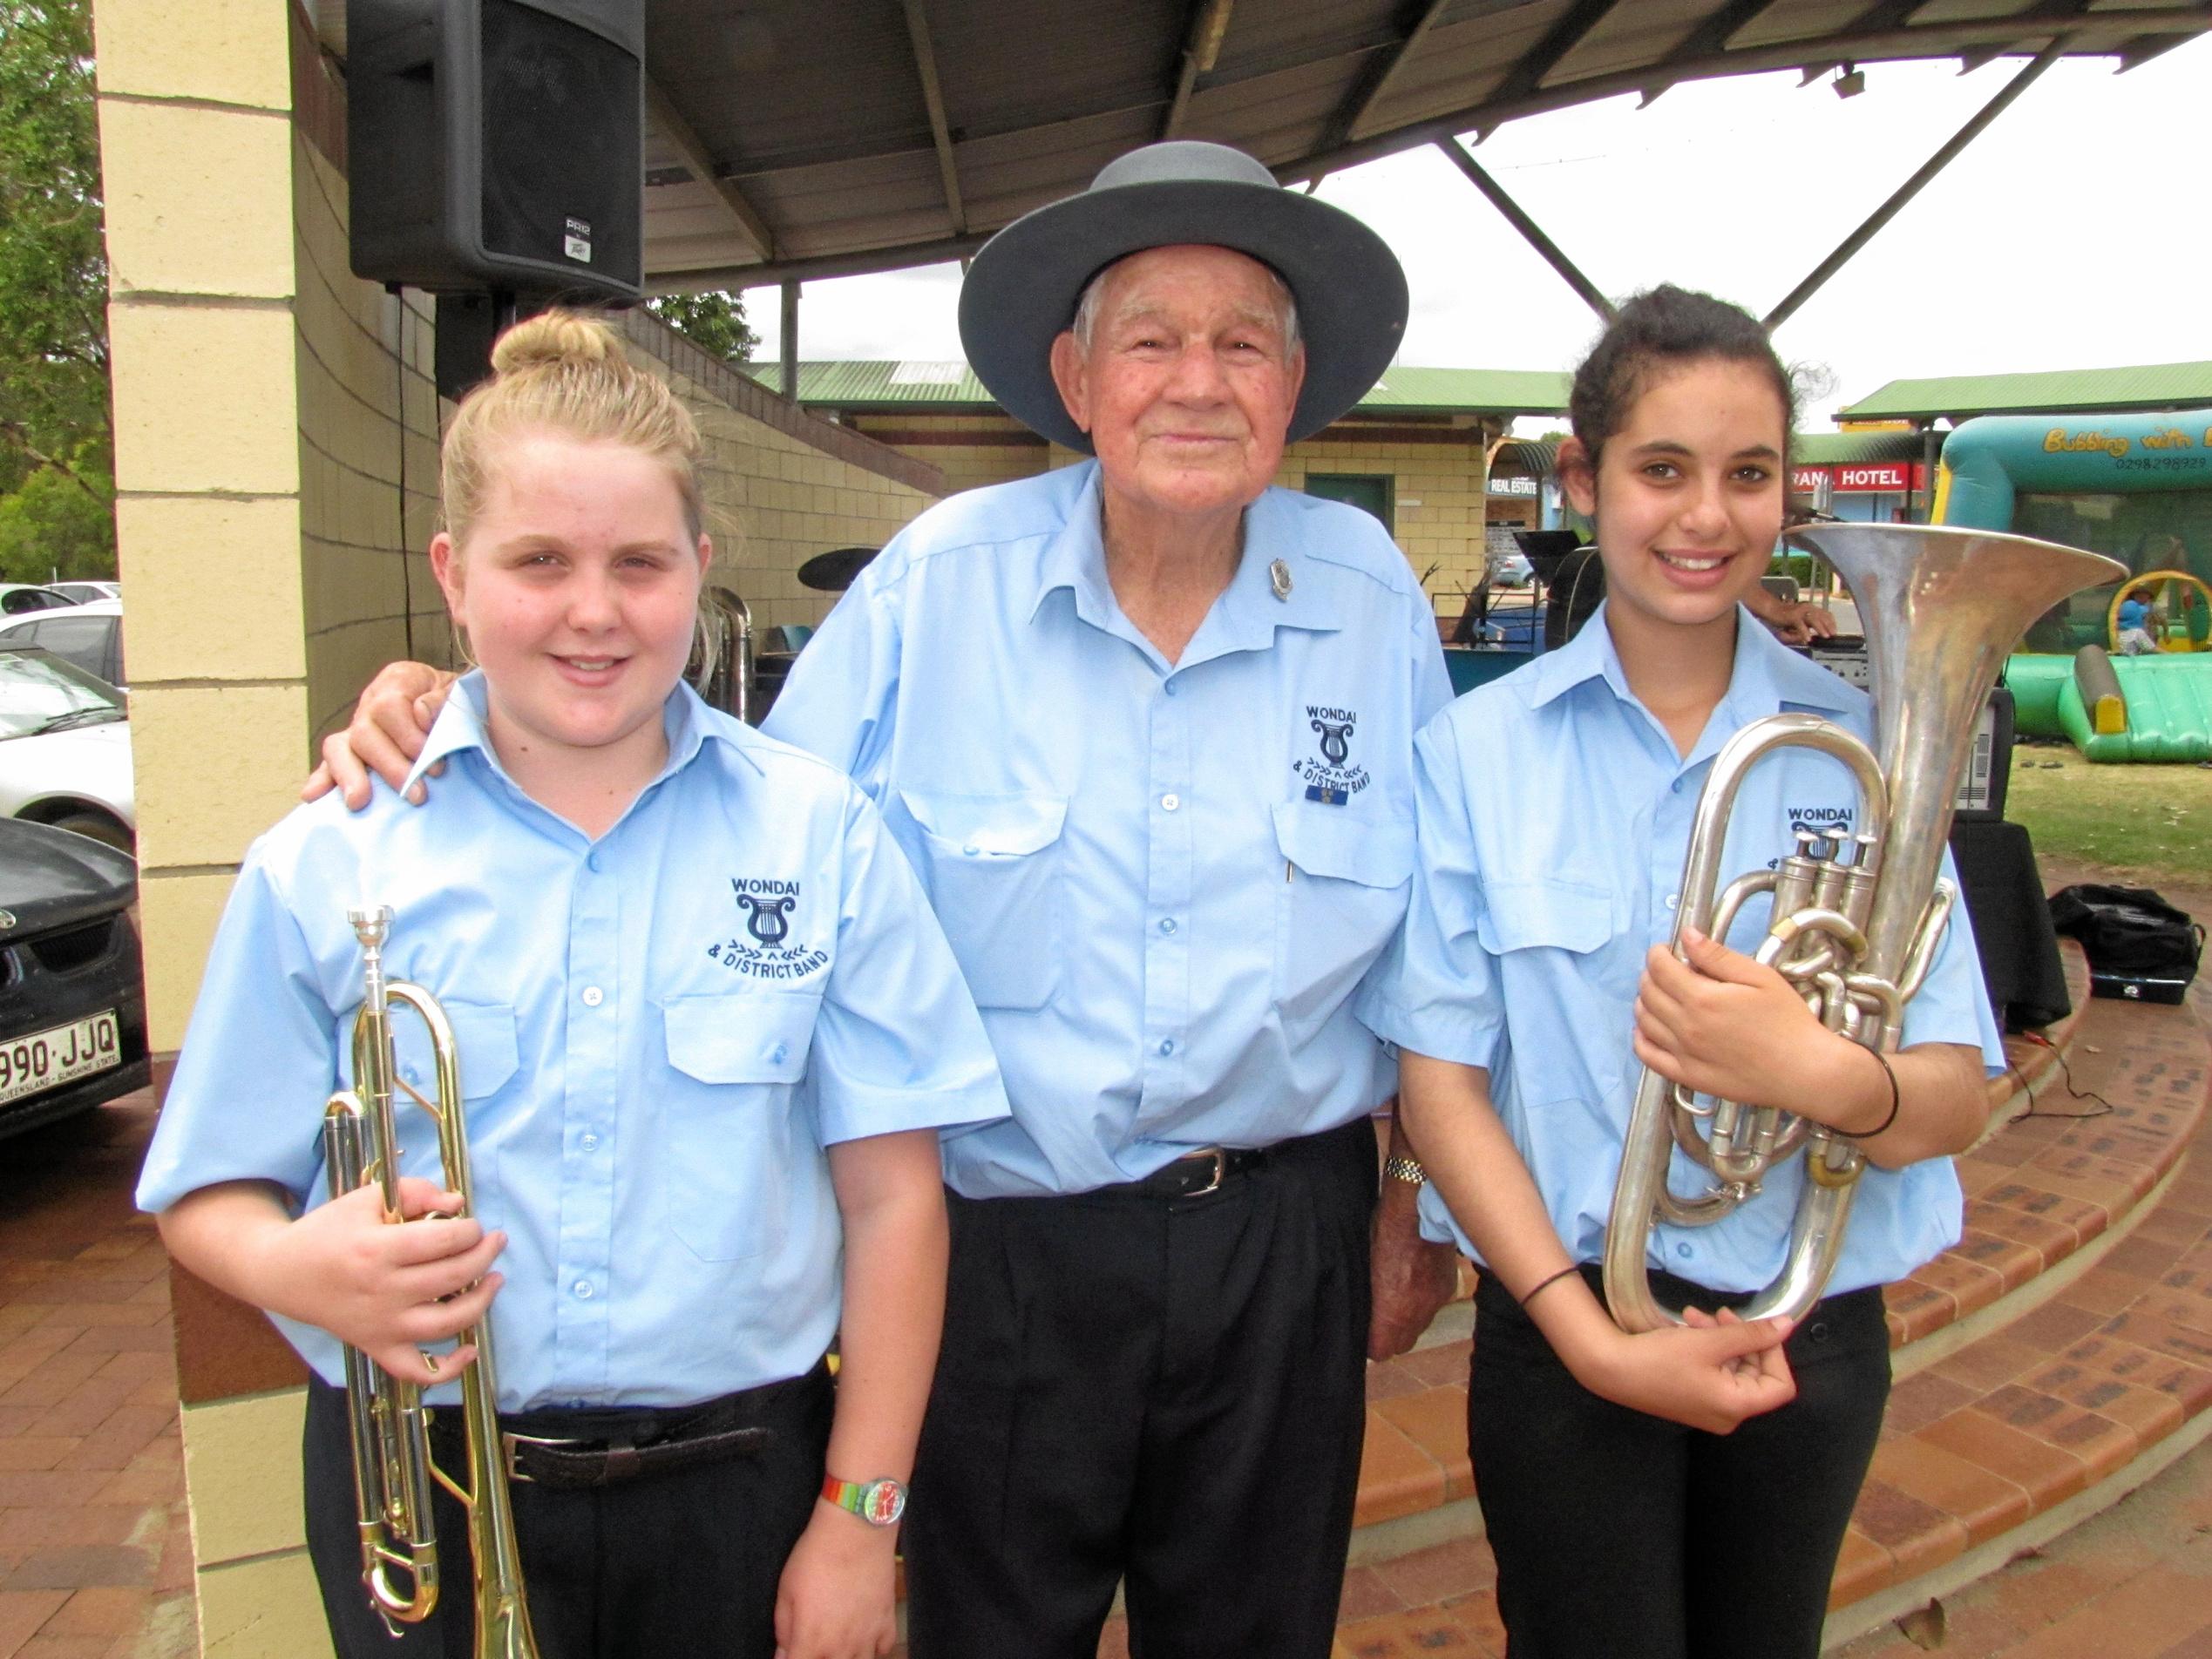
point(1201, 50)
point(934, 95)
point(1549, 53)
point(1709, 36)
point(1531, 233)
point(1369, 91)
point(701, 165)
point(1945, 40)
point(1889, 14)
point(1911, 187)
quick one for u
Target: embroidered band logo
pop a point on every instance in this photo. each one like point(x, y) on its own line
point(1831, 824)
point(1333, 779)
point(767, 905)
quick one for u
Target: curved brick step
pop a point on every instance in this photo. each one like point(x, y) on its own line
point(2058, 1356)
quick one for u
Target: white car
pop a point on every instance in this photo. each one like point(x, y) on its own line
point(89, 636)
point(64, 748)
point(18, 599)
point(81, 593)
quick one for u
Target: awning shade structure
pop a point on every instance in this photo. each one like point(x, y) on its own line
point(790, 138)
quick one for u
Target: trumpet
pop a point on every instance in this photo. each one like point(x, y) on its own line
point(1854, 923)
point(392, 1466)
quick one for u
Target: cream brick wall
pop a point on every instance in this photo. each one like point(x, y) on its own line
point(201, 166)
point(774, 500)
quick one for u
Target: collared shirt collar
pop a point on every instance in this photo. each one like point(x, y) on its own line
point(463, 723)
point(1767, 674)
point(1243, 618)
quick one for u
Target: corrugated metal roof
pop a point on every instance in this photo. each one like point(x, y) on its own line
point(878, 384)
point(1526, 457)
point(2143, 386)
point(788, 138)
point(1853, 448)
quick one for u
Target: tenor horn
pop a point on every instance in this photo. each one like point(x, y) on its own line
point(1854, 922)
point(392, 1466)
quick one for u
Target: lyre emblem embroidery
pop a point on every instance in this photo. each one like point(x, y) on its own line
point(765, 917)
point(1336, 745)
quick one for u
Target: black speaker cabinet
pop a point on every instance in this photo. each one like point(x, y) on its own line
point(497, 144)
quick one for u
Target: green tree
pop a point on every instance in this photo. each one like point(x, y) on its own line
point(55, 427)
point(57, 526)
point(714, 321)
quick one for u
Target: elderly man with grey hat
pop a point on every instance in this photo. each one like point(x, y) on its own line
point(1145, 725)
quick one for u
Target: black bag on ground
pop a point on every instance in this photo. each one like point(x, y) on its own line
point(2139, 947)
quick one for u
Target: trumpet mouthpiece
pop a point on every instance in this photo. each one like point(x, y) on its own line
point(370, 924)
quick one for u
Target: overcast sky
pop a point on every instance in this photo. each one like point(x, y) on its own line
point(2076, 232)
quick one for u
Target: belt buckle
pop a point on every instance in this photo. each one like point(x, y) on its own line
point(1220, 1169)
point(508, 1441)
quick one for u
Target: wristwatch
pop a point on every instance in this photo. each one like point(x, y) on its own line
point(879, 1502)
point(1400, 1169)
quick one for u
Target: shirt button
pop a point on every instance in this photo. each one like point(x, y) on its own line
point(1682, 1250)
point(590, 1143)
point(1676, 785)
point(594, 996)
point(592, 863)
point(970, 850)
point(777, 1053)
point(583, 1290)
point(1167, 925)
point(1167, 1045)
point(1169, 803)
point(1671, 900)
point(1171, 689)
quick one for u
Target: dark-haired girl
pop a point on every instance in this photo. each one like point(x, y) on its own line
point(1684, 1492)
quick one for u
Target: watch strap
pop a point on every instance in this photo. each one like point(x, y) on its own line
point(1402, 1168)
point(879, 1502)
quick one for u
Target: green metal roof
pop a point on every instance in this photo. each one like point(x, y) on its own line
point(1853, 448)
point(2145, 386)
point(919, 385)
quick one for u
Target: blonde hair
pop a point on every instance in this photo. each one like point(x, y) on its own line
point(564, 372)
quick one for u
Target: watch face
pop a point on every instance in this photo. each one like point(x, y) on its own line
point(882, 1502)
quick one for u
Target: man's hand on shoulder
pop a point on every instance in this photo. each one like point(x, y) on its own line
point(389, 723)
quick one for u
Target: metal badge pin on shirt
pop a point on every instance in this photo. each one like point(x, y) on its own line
point(1279, 578)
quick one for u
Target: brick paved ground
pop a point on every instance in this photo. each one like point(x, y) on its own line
point(95, 1557)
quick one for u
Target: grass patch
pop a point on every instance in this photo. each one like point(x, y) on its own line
point(2153, 822)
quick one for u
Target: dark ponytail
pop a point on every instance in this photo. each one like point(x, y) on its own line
point(1665, 326)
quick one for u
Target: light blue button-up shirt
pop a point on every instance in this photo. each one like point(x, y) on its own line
point(660, 1032)
point(1162, 880)
point(1555, 812)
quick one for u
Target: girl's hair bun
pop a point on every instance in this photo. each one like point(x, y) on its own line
point(554, 340)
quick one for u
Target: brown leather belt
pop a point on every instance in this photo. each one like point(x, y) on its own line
point(589, 1446)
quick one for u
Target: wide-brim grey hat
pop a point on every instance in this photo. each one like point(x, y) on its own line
point(1022, 286)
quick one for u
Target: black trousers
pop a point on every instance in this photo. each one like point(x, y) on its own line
point(1163, 1393)
point(1621, 1535)
point(681, 1563)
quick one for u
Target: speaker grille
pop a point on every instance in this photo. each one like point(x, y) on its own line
point(562, 145)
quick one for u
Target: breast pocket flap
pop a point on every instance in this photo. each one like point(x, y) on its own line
point(988, 826)
point(484, 1038)
point(1565, 915)
point(755, 1037)
point(1322, 842)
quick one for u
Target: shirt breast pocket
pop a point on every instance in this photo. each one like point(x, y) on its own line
point(993, 866)
point(1579, 920)
point(1344, 890)
point(727, 1137)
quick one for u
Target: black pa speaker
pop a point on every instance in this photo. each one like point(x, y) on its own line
point(497, 144)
